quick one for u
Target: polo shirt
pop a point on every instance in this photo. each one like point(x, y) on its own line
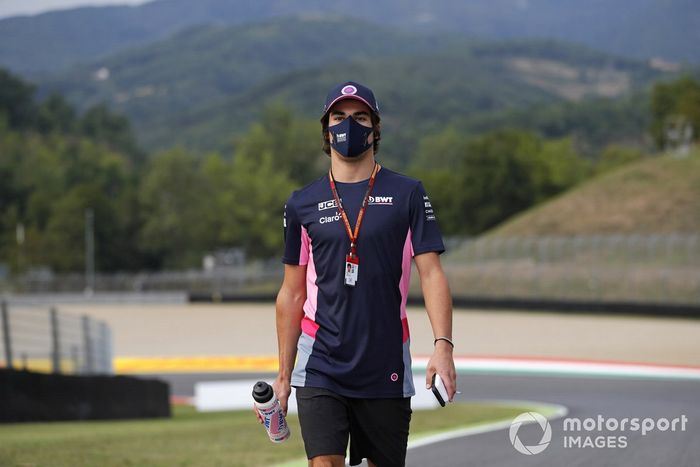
point(355, 341)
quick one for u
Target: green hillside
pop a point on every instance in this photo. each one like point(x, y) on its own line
point(200, 66)
point(51, 41)
point(204, 86)
point(441, 87)
point(656, 195)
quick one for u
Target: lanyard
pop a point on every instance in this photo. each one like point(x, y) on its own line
point(353, 235)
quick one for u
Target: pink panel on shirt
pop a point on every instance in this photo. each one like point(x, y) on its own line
point(406, 332)
point(309, 327)
point(305, 247)
point(405, 281)
point(311, 287)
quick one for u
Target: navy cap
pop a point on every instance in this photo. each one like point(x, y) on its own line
point(350, 90)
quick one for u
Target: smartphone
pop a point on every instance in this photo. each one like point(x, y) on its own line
point(438, 388)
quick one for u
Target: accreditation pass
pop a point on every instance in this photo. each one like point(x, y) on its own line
point(352, 266)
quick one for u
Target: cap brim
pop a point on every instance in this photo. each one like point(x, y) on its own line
point(348, 96)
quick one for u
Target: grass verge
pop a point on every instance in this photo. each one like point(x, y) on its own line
point(191, 439)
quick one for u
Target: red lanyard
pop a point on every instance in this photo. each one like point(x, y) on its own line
point(360, 216)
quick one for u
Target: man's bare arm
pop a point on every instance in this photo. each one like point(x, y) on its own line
point(289, 312)
point(438, 303)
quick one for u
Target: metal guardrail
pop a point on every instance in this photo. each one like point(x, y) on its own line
point(219, 279)
point(50, 341)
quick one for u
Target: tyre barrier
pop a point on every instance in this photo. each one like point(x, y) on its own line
point(27, 396)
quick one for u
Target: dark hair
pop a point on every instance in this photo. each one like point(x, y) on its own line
point(376, 129)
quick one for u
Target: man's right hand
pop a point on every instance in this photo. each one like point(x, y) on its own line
point(283, 389)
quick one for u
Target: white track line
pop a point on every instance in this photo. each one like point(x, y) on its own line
point(555, 411)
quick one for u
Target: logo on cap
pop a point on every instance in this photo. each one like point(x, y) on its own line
point(349, 90)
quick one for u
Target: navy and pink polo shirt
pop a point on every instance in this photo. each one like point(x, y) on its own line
point(355, 340)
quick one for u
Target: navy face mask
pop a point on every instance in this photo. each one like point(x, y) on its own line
point(349, 138)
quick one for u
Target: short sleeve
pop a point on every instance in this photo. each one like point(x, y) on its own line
point(425, 232)
point(296, 238)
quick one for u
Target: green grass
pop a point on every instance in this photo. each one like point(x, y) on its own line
point(190, 439)
point(656, 195)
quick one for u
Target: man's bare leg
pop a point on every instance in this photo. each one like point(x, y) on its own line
point(327, 461)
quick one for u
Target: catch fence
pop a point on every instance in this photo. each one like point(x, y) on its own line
point(597, 268)
point(644, 269)
point(47, 340)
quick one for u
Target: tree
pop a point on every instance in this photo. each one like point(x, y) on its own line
point(100, 124)
point(55, 114)
point(485, 180)
point(252, 208)
point(444, 150)
point(556, 167)
point(56, 181)
point(176, 204)
point(444, 188)
point(436, 164)
point(294, 144)
point(675, 106)
point(496, 177)
point(16, 101)
point(64, 238)
point(51, 172)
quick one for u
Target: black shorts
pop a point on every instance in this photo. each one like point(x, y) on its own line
point(377, 428)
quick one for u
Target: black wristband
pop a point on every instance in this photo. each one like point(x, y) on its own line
point(446, 339)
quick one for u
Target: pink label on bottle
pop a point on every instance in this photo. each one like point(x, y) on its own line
point(275, 423)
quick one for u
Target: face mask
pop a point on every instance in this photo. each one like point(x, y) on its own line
point(349, 138)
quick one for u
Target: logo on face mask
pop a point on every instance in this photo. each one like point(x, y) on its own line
point(349, 138)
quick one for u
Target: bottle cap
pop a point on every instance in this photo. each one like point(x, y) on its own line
point(262, 392)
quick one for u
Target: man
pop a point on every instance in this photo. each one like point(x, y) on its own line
point(341, 309)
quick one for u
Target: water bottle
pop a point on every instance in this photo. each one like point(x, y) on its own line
point(269, 408)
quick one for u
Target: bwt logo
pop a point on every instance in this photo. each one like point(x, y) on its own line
point(341, 137)
point(330, 204)
point(530, 417)
point(386, 200)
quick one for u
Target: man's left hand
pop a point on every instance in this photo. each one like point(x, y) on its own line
point(443, 364)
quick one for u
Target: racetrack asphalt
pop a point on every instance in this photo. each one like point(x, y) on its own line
point(584, 397)
point(248, 330)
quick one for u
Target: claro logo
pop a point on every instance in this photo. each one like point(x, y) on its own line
point(328, 219)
